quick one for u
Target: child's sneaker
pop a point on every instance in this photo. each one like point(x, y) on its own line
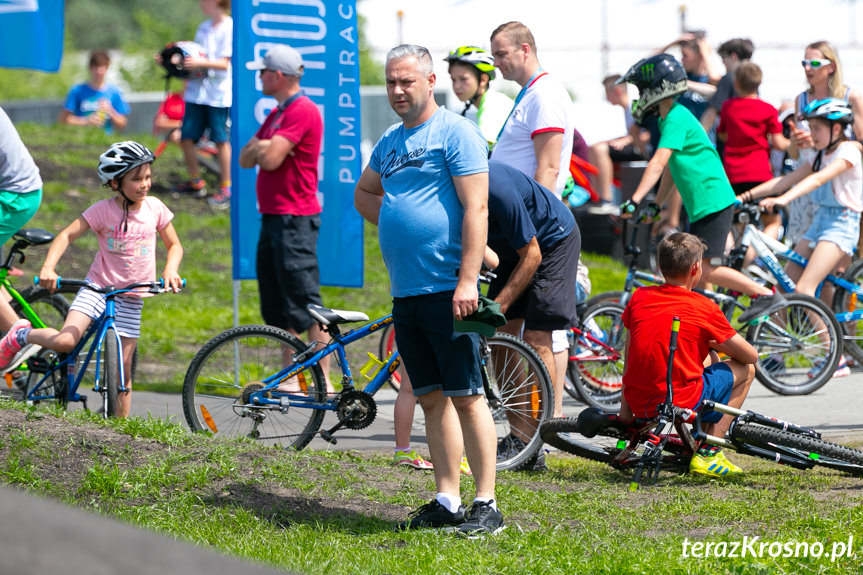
point(482, 518)
point(842, 370)
point(715, 465)
point(761, 306)
point(222, 200)
point(9, 346)
point(464, 468)
point(411, 459)
point(196, 188)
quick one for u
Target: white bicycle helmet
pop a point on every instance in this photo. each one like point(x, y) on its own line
point(122, 157)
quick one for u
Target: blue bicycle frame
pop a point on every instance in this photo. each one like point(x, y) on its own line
point(285, 399)
point(770, 250)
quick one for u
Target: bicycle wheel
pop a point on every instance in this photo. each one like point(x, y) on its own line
point(604, 297)
point(610, 440)
point(596, 369)
point(845, 301)
point(386, 346)
point(799, 346)
point(50, 308)
point(233, 365)
point(519, 394)
point(110, 376)
point(821, 452)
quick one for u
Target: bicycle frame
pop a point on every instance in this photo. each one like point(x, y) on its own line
point(303, 361)
point(770, 251)
point(95, 336)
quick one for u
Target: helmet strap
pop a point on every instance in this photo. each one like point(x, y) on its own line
point(466, 107)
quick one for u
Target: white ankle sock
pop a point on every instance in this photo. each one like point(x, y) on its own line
point(451, 502)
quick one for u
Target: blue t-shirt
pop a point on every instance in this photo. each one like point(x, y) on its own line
point(420, 221)
point(520, 209)
point(83, 100)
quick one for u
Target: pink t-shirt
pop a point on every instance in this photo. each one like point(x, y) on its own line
point(126, 257)
point(292, 188)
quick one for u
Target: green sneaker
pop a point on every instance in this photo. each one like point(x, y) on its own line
point(411, 459)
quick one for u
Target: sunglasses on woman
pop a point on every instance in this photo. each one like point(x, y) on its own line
point(815, 64)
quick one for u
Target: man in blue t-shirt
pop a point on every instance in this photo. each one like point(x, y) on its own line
point(538, 242)
point(426, 188)
point(96, 103)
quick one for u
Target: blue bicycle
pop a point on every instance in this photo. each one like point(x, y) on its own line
point(262, 383)
point(57, 376)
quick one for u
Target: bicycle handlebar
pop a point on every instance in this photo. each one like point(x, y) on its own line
point(152, 287)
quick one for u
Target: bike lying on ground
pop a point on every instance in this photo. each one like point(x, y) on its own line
point(669, 440)
point(262, 383)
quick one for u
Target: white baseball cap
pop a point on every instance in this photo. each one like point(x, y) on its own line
point(281, 58)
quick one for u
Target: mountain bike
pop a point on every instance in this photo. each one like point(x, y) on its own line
point(262, 383)
point(54, 376)
point(669, 440)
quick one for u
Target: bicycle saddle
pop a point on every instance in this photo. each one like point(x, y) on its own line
point(34, 236)
point(328, 316)
point(592, 419)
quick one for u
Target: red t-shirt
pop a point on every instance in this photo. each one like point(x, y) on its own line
point(173, 107)
point(648, 318)
point(292, 188)
point(746, 122)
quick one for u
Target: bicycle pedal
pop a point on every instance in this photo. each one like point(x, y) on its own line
point(38, 364)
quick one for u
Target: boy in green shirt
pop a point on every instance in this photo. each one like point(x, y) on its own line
point(685, 158)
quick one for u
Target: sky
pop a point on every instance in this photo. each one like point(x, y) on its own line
point(570, 33)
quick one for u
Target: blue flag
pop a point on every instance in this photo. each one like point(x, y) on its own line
point(31, 34)
point(326, 36)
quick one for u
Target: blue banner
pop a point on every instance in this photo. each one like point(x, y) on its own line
point(31, 34)
point(326, 35)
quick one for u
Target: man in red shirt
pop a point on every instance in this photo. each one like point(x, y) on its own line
point(698, 373)
point(287, 148)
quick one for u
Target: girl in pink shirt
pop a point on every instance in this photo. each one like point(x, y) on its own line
point(126, 225)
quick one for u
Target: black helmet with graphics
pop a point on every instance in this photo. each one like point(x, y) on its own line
point(657, 78)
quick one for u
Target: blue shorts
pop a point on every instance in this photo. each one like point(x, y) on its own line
point(198, 117)
point(435, 355)
point(718, 381)
point(838, 225)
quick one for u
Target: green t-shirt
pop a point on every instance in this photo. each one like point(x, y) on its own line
point(694, 164)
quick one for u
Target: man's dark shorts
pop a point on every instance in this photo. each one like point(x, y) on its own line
point(198, 117)
point(718, 383)
point(287, 267)
point(548, 303)
point(713, 230)
point(435, 355)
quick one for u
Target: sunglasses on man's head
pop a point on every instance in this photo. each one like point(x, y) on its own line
point(815, 64)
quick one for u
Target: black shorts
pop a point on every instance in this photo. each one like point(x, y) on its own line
point(435, 355)
point(287, 267)
point(713, 230)
point(548, 303)
point(628, 153)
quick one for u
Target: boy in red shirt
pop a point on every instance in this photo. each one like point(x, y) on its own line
point(698, 373)
point(749, 127)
